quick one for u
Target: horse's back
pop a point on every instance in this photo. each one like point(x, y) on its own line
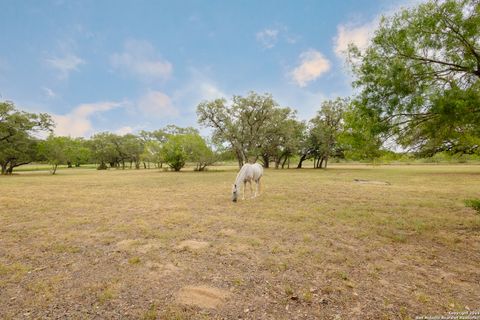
point(257, 171)
point(252, 171)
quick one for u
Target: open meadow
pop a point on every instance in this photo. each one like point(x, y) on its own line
point(315, 245)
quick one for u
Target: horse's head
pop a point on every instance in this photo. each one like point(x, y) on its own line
point(234, 193)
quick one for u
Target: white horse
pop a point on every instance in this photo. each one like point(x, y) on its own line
point(247, 173)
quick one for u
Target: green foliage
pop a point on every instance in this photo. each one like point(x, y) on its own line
point(174, 152)
point(321, 141)
point(152, 152)
point(185, 144)
point(104, 149)
point(362, 137)
point(282, 138)
point(243, 125)
point(198, 151)
point(474, 204)
point(17, 143)
point(419, 80)
point(55, 150)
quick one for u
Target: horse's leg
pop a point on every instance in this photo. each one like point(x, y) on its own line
point(251, 190)
point(244, 187)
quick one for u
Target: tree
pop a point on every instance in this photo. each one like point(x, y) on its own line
point(198, 151)
point(174, 152)
point(326, 128)
point(18, 146)
point(54, 151)
point(419, 79)
point(17, 150)
point(131, 147)
point(362, 136)
point(282, 137)
point(154, 142)
point(14, 122)
point(240, 125)
point(77, 152)
point(321, 139)
point(151, 154)
point(104, 150)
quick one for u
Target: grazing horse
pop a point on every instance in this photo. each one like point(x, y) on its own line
point(248, 173)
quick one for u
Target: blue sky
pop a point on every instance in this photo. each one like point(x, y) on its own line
point(140, 65)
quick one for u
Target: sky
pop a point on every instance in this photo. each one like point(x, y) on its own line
point(125, 66)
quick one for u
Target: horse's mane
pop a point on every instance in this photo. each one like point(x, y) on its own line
point(241, 173)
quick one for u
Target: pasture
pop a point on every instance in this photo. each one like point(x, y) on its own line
point(315, 245)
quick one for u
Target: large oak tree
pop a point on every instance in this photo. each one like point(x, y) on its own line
point(419, 79)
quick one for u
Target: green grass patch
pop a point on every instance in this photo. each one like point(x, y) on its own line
point(474, 204)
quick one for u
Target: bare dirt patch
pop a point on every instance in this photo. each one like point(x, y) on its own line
point(202, 296)
point(159, 270)
point(227, 232)
point(192, 244)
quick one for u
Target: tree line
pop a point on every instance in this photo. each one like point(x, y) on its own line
point(254, 128)
point(417, 87)
point(172, 145)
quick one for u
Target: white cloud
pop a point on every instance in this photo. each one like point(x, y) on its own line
point(209, 91)
point(291, 39)
point(360, 33)
point(157, 104)
point(200, 87)
point(140, 59)
point(357, 35)
point(312, 65)
point(66, 64)
point(124, 130)
point(77, 123)
point(267, 37)
point(49, 92)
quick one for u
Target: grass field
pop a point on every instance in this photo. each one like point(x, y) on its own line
point(315, 245)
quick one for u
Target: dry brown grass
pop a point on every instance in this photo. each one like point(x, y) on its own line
point(315, 245)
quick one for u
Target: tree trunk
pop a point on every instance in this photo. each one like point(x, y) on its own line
point(240, 158)
point(54, 168)
point(277, 163)
point(284, 161)
point(326, 160)
point(302, 158)
point(144, 165)
point(69, 164)
point(240, 161)
point(266, 161)
point(321, 162)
